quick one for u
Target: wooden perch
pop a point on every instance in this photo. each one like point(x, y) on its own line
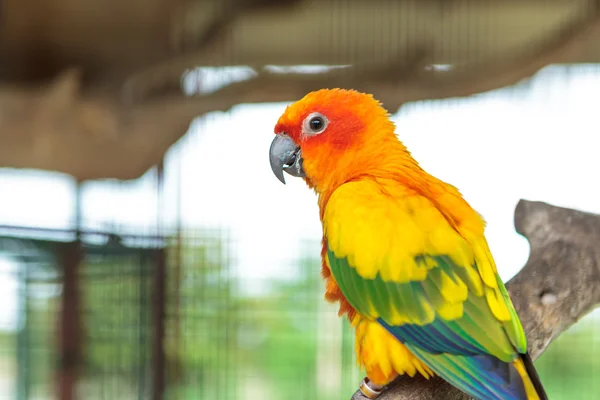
point(408, 77)
point(558, 286)
point(58, 127)
point(119, 114)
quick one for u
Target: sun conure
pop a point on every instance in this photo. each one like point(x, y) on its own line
point(403, 253)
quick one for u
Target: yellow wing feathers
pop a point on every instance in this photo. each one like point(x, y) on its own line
point(383, 232)
point(383, 229)
point(382, 355)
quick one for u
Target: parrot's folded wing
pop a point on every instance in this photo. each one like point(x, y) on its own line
point(398, 259)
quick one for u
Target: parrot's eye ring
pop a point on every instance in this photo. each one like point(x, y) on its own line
point(314, 124)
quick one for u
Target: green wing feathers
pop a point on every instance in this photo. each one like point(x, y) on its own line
point(474, 351)
point(420, 303)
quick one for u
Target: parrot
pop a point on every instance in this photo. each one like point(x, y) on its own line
point(403, 253)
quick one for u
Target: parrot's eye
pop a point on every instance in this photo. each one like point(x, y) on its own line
point(317, 123)
point(314, 124)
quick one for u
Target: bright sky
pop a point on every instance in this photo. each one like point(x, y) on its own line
point(538, 142)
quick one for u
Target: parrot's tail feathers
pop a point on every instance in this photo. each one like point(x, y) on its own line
point(484, 376)
point(531, 380)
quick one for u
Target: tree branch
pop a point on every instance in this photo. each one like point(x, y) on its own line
point(58, 128)
point(70, 125)
point(165, 76)
point(558, 286)
point(396, 84)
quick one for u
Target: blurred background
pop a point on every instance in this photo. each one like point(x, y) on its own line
point(147, 250)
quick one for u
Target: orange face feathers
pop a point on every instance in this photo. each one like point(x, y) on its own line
point(348, 113)
point(339, 132)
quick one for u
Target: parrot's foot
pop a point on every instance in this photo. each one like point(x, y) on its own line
point(369, 389)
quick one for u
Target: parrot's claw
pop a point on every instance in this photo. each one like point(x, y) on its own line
point(370, 390)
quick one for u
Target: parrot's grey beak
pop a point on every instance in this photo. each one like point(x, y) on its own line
point(284, 155)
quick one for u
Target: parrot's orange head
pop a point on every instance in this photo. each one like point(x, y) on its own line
point(332, 136)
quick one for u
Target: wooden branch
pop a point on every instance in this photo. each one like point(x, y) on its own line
point(73, 123)
point(166, 75)
point(558, 286)
point(59, 128)
point(394, 84)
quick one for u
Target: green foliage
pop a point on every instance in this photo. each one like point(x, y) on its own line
point(570, 367)
point(202, 318)
point(287, 328)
